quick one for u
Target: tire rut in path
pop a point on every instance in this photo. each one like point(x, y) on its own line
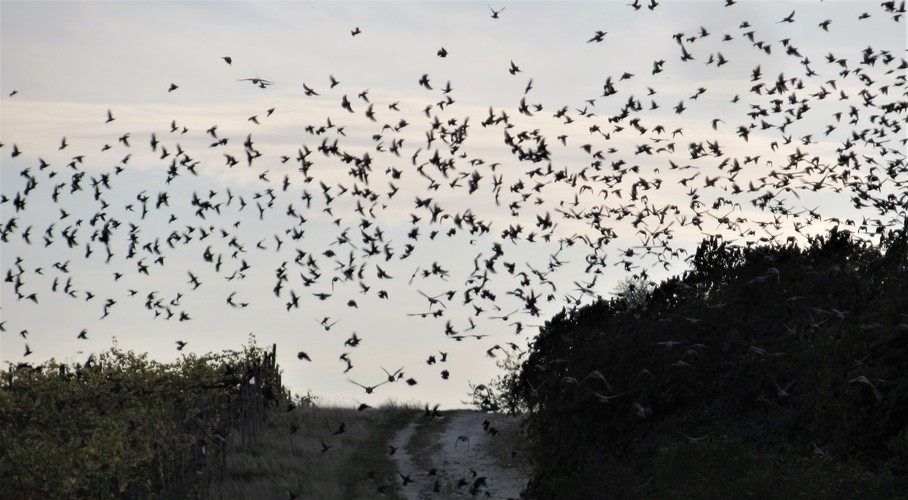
point(454, 456)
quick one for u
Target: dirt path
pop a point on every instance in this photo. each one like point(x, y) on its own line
point(461, 454)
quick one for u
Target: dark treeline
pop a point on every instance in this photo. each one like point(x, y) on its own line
point(766, 372)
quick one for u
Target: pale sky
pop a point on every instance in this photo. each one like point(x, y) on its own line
point(67, 64)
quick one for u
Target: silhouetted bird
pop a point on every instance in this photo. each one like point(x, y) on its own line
point(369, 388)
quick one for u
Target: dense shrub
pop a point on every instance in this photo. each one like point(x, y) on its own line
point(758, 365)
point(121, 425)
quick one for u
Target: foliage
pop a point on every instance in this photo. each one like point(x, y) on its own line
point(635, 291)
point(726, 468)
point(764, 353)
point(501, 394)
point(121, 425)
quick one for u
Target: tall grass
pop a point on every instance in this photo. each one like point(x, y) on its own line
point(285, 464)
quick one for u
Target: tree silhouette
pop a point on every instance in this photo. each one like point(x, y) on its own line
point(776, 353)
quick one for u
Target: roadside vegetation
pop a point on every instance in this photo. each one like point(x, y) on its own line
point(121, 425)
point(319, 452)
point(215, 426)
point(764, 372)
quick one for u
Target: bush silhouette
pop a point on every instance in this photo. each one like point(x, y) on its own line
point(769, 370)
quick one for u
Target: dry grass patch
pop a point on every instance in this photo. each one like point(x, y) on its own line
point(318, 452)
point(509, 445)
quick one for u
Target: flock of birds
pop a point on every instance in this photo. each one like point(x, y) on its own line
point(834, 127)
